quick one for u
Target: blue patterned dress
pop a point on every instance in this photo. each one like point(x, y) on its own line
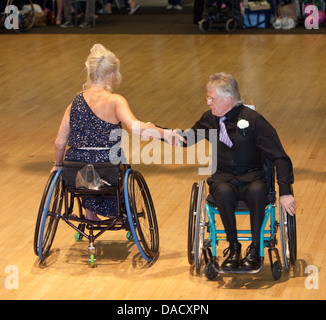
point(88, 131)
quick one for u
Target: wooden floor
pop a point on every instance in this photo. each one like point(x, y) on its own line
point(164, 81)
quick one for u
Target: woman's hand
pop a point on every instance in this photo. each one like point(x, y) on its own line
point(55, 168)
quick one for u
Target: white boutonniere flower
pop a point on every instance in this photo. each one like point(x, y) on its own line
point(243, 124)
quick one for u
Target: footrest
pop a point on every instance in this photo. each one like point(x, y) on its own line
point(92, 222)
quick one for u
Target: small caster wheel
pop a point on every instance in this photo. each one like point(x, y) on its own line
point(92, 256)
point(129, 236)
point(211, 271)
point(92, 260)
point(78, 236)
point(276, 270)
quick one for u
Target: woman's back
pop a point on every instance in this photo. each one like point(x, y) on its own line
point(92, 139)
point(102, 103)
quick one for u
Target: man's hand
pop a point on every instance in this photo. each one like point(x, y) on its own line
point(288, 204)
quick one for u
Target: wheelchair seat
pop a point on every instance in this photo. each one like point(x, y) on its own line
point(269, 172)
point(241, 205)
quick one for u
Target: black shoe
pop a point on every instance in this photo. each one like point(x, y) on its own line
point(252, 259)
point(233, 260)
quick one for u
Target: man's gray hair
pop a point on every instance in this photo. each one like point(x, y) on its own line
point(226, 85)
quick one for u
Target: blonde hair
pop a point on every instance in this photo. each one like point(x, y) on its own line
point(100, 64)
point(226, 84)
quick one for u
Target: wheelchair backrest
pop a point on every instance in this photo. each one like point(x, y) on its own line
point(106, 170)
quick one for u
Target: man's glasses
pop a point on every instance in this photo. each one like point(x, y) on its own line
point(210, 99)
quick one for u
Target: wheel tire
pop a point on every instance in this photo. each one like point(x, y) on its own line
point(191, 223)
point(78, 236)
point(92, 260)
point(288, 239)
point(204, 25)
point(276, 270)
point(130, 237)
point(48, 216)
point(292, 238)
point(141, 215)
point(40, 212)
point(210, 270)
point(200, 227)
point(231, 25)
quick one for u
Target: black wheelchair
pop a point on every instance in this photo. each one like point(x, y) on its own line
point(135, 212)
point(219, 13)
point(203, 236)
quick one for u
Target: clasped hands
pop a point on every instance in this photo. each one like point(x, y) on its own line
point(170, 136)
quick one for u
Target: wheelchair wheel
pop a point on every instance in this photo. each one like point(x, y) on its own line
point(191, 223)
point(210, 270)
point(276, 270)
point(288, 238)
point(231, 25)
point(26, 14)
point(204, 25)
point(200, 227)
point(141, 214)
point(40, 212)
point(48, 215)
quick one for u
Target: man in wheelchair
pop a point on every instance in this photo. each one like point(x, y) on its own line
point(244, 139)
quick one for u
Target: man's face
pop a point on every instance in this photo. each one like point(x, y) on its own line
point(218, 103)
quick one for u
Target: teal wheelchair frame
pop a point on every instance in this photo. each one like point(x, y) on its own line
point(135, 211)
point(204, 236)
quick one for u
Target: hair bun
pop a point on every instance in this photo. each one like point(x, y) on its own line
point(100, 63)
point(98, 48)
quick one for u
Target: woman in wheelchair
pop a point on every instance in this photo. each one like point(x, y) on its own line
point(244, 138)
point(94, 116)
